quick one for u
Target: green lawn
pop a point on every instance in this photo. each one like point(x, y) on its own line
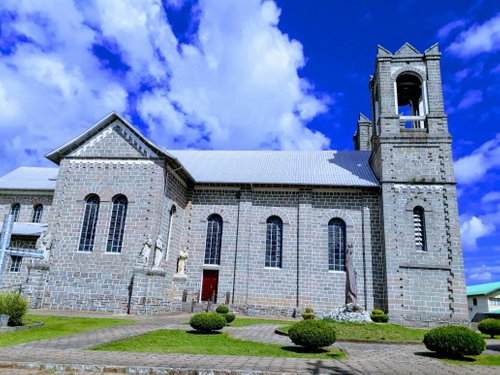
point(484, 359)
point(191, 342)
point(373, 331)
point(56, 326)
point(243, 322)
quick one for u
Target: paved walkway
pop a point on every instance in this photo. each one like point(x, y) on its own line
point(67, 354)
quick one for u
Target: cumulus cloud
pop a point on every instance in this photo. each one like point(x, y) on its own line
point(233, 84)
point(473, 228)
point(473, 167)
point(477, 39)
point(483, 273)
point(492, 196)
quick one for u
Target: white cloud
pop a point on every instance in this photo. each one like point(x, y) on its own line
point(471, 98)
point(483, 273)
point(444, 31)
point(473, 167)
point(473, 228)
point(478, 39)
point(492, 196)
point(235, 85)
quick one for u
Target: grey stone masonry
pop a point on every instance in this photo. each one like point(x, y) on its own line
point(363, 136)
point(415, 169)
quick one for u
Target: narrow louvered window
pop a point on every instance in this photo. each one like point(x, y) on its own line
point(214, 239)
point(274, 242)
point(336, 245)
point(14, 210)
point(89, 224)
point(37, 213)
point(117, 224)
point(419, 228)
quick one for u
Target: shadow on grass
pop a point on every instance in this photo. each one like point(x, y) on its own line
point(301, 350)
point(194, 332)
point(438, 356)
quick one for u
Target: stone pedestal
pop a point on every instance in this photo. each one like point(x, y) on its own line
point(148, 291)
point(34, 287)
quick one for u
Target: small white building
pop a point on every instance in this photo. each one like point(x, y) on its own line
point(483, 299)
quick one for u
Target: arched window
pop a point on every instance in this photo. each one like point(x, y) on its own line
point(419, 228)
point(89, 223)
point(173, 210)
point(214, 239)
point(274, 242)
point(14, 210)
point(117, 224)
point(37, 213)
point(336, 245)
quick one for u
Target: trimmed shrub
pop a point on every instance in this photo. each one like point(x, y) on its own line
point(489, 326)
point(308, 313)
point(207, 322)
point(312, 334)
point(454, 341)
point(378, 316)
point(222, 309)
point(14, 305)
point(229, 317)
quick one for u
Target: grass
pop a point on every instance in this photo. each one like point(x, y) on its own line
point(373, 331)
point(191, 342)
point(483, 359)
point(56, 326)
point(243, 322)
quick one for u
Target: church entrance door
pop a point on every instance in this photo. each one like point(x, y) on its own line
point(209, 286)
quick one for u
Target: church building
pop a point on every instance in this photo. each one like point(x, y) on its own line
point(128, 227)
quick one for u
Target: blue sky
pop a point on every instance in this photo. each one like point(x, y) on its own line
point(250, 75)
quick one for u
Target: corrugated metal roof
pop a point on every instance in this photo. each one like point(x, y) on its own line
point(30, 178)
point(330, 168)
point(482, 289)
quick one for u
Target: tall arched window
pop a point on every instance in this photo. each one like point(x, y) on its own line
point(89, 223)
point(173, 210)
point(37, 213)
point(274, 242)
point(336, 245)
point(419, 228)
point(117, 224)
point(14, 210)
point(214, 239)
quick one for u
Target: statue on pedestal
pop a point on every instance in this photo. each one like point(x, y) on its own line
point(44, 243)
point(146, 251)
point(181, 262)
point(351, 288)
point(158, 252)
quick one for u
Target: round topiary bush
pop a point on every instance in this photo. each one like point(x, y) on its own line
point(229, 317)
point(207, 322)
point(489, 326)
point(378, 316)
point(222, 309)
point(14, 305)
point(312, 334)
point(454, 341)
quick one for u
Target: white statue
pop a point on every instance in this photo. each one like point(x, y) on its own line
point(181, 262)
point(146, 251)
point(44, 243)
point(158, 252)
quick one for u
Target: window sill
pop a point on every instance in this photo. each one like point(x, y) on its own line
point(273, 268)
point(333, 271)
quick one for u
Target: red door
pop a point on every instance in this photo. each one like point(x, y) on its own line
point(209, 287)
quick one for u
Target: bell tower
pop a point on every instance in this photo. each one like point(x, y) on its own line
point(411, 156)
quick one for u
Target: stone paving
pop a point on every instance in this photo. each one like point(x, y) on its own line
point(66, 354)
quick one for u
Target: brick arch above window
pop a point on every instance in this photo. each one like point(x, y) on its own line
point(106, 194)
point(262, 218)
point(214, 210)
point(408, 69)
point(422, 202)
point(335, 213)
